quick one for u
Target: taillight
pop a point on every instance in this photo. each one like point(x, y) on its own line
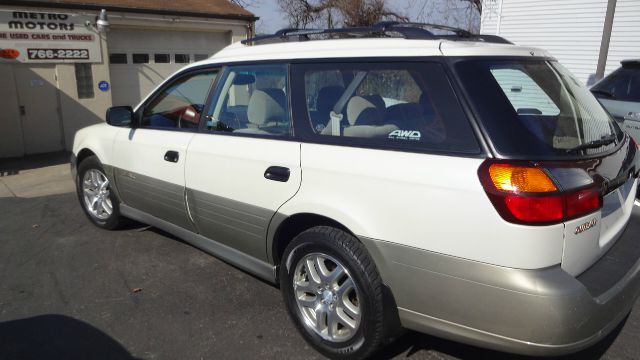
point(528, 194)
point(634, 142)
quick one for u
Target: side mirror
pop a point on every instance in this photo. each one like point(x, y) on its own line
point(121, 116)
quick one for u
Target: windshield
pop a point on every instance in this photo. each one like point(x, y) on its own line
point(536, 109)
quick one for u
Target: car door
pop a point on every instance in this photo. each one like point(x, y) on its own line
point(149, 159)
point(245, 165)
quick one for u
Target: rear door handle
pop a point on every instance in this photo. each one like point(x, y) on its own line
point(277, 173)
point(171, 156)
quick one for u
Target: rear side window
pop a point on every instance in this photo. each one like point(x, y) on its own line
point(388, 105)
point(251, 99)
point(623, 84)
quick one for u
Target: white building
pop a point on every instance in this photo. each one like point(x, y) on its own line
point(573, 31)
point(60, 68)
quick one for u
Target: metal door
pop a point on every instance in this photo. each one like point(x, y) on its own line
point(38, 102)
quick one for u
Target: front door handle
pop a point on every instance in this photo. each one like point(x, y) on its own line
point(171, 156)
point(277, 173)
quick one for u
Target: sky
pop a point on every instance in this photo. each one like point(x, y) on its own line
point(446, 12)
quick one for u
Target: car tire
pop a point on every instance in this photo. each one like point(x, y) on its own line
point(351, 317)
point(96, 197)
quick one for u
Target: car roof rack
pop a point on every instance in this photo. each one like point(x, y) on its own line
point(407, 30)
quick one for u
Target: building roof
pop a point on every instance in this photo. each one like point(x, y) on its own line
point(198, 8)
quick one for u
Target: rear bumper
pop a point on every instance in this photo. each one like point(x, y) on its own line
point(532, 312)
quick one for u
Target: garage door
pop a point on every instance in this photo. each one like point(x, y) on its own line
point(141, 59)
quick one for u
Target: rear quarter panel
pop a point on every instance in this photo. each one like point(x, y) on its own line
point(429, 202)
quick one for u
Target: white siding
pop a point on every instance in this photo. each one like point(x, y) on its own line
point(625, 35)
point(571, 30)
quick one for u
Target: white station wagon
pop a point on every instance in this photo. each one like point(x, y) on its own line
point(385, 178)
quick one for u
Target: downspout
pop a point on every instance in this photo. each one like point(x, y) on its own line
point(499, 17)
point(606, 37)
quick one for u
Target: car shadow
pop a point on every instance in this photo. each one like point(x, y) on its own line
point(412, 343)
point(13, 166)
point(57, 337)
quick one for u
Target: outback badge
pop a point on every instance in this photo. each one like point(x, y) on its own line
point(586, 226)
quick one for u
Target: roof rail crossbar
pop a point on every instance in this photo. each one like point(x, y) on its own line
point(408, 30)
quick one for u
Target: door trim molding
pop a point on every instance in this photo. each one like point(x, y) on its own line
point(259, 268)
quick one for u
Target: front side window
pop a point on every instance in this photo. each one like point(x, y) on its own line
point(251, 100)
point(180, 104)
point(395, 104)
point(536, 109)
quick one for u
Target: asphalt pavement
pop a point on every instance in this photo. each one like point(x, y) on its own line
point(69, 290)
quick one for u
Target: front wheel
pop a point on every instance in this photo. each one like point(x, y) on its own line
point(333, 293)
point(97, 199)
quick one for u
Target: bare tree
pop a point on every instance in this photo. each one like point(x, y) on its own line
point(475, 4)
point(303, 13)
point(245, 3)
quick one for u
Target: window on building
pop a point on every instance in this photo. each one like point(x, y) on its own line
point(140, 58)
point(84, 80)
point(200, 57)
point(161, 58)
point(118, 58)
point(181, 58)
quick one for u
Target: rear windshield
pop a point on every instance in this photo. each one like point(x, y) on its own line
point(536, 109)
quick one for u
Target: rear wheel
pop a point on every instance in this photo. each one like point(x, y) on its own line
point(96, 197)
point(333, 293)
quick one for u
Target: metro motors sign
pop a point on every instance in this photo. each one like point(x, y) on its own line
point(48, 38)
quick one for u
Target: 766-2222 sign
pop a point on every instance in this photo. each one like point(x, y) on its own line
point(57, 54)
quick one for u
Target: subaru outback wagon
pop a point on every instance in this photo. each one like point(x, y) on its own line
point(385, 178)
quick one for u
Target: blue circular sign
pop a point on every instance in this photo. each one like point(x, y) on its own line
point(103, 85)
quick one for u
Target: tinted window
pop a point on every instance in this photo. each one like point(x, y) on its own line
point(84, 80)
point(251, 100)
point(180, 104)
point(118, 58)
point(623, 84)
point(161, 58)
point(181, 58)
point(200, 57)
point(140, 58)
point(399, 104)
point(534, 108)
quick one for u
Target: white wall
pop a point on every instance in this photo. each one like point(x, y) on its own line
point(571, 30)
point(625, 35)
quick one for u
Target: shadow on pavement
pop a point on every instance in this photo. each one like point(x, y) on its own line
point(413, 342)
point(57, 337)
point(13, 166)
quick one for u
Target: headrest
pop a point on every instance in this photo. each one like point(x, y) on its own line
point(328, 96)
point(376, 100)
point(356, 106)
point(427, 107)
point(265, 106)
point(244, 79)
